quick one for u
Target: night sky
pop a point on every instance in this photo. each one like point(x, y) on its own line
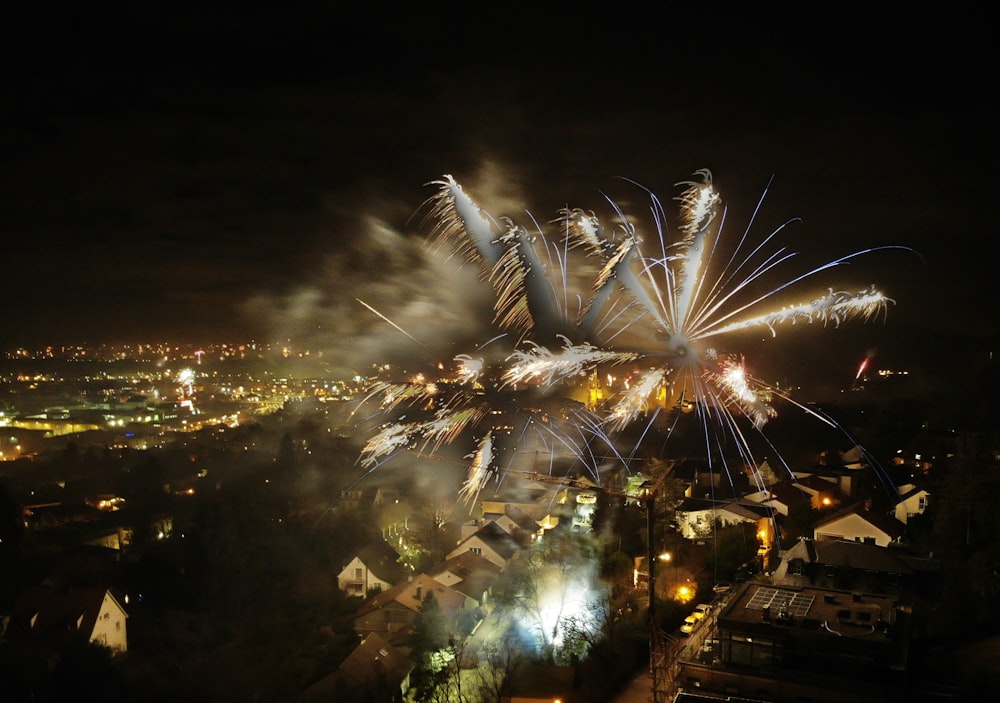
point(221, 176)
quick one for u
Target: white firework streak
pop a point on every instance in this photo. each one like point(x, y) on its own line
point(444, 427)
point(447, 425)
point(834, 307)
point(459, 219)
point(543, 366)
point(635, 400)
point(479, 470)
point(395, 394)
point(469, 369)
point(583, 230)
point(387, 441)
point(732, 379)
point(510, 278)
point(699, 203)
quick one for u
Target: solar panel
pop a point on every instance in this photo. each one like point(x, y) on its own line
point(775, 599)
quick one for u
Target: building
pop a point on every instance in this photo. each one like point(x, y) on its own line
point(46, 619)
point(373, 671)
point(856, 522)
point(374, 568)
point(392, 613)
point(781, 644)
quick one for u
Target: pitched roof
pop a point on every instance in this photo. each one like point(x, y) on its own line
point(382, 560)
point(910, 492)
point(494, 536)
point(410, 594)
point(475, 573)
point(859, 555)
point(56, 615)
point(374, 662)
point(748, 510)
point(889, 525)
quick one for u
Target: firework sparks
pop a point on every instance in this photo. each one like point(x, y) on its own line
point(667, 312)
point(674, 305)
point(541, 365)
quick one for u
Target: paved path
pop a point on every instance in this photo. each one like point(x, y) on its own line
point(639, 689)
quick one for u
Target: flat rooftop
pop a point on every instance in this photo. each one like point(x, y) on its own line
point(844, 614)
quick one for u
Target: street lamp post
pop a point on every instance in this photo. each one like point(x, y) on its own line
point(668, 557)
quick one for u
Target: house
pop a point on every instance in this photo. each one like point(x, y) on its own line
point(375, 567)
point(468, 573)
point(809, 490)
point(392, 613)
point(696, 516)
point(912, 501)
point(514, 521)
point(848, 565)
point(45, 619)
point(847, 479)
point(373, 671)
point(490, 541)
point(858, 523)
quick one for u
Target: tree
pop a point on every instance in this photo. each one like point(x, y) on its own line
point(548, 582)
point(431, 536)
point(436, 642)
point(11, 524)
point(500, 659)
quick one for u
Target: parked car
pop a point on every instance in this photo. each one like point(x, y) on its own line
point(701, 610)
point(689, 624)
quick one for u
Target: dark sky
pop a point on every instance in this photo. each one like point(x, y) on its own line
point(223, 175)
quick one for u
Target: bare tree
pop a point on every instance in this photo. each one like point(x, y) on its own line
point(539, 586)
point(499, 661)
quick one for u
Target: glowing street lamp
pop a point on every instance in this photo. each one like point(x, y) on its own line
point(667, 557)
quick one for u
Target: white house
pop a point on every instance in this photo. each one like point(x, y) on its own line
point(858, 524)
point(696, 517)
point(489, 541)
point(46, 614)
point(375, 567)
point(912, 501)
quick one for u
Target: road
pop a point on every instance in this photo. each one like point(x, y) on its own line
point(639, 689)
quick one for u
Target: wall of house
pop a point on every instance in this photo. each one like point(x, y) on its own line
point(851, 527)
point(109, 629)
point(349, 581)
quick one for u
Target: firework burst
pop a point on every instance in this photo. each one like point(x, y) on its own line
point(664, 307)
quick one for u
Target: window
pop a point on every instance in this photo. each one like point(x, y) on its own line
point(476, 550)
point(358, 573)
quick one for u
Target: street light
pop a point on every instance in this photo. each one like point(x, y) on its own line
point(668, 557)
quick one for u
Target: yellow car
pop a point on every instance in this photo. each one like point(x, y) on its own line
point(689, 624)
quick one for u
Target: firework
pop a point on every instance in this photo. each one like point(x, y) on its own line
point(662, 307)
point(667, 311)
